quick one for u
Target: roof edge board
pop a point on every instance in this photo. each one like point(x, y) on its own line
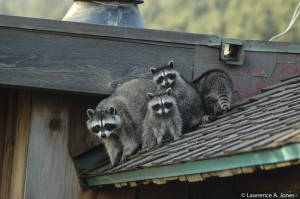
point(36, 24)
point(281, 154)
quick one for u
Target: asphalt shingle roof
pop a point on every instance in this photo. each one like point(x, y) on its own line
point(267, 120)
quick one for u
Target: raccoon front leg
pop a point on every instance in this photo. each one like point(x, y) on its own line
point(113, 150)
point(127, 150)
point(148, 138)
point(130, 145)
point(159, 133)
point(176, 131)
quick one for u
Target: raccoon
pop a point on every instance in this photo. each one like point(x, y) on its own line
point(189, 100)
point(117, 120)
point(216, 87)
point(162, 116)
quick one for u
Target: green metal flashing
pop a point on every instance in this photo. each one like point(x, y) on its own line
point(280, 154)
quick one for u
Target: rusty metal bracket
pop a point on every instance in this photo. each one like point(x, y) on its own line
point(232, 51)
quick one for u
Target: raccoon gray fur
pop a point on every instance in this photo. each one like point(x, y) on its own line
point(117, 120)
point(216, 88)
point(162, 117)
point(188, 99)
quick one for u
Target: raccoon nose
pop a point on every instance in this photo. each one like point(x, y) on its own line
point(167, 83)
point(103, 135)
point(163, 112)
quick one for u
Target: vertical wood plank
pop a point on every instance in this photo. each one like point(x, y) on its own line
point(3, 122)
point(80, 140)
point(219, 188)
point(196, 190)
point(173, 189)
point(110, 192)
point(50, 170)
point(89, 194)
point(9, 145)
point(21, 145)
point(275, 180)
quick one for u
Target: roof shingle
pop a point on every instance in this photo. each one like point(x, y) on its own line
point(266, 121)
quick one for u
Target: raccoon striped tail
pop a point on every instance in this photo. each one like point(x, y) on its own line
point(224, 101)
point(225, 106)
point(207, 119)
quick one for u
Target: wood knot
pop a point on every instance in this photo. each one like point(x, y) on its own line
point(55, 124)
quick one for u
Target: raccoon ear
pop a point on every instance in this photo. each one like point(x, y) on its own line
point(112, 110)
point(171, 64)
point(150, 96)
point(169, 91)
point(153, 70)
point(90, 113)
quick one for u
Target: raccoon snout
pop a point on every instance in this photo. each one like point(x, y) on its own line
point(103, 135)
point(163, 112)
point(167, 83)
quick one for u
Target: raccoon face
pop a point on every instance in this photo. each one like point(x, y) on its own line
point(165, 76)
point(103, 122)
point(161, 102)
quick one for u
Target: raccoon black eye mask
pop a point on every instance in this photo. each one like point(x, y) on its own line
point(164, 75)
point(160, 80)
point(156, 107)
point(166, 118)
point(168, 105)
point(107, 127)
point(119, 125)
point(188, 99)
point(171, 76)
point(96, 129)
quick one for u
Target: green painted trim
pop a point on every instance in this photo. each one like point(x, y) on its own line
point(280, 154)
point(91, 159)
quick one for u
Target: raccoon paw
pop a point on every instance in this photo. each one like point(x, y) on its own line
point(143, 150)
point(212, 118)
point(123, 160)
point(177, 137)
point(208, 118)
point(113, 165)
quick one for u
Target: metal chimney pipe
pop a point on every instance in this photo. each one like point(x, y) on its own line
point(106, 12)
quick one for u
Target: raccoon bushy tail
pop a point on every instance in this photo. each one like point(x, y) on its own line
point(224, 99)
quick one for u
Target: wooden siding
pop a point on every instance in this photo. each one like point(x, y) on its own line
point(8, 147)
point(21, 145)
point(48, 156)
point(3, 123)
point(34, 158)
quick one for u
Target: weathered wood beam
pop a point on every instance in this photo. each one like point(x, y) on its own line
point(85, 58)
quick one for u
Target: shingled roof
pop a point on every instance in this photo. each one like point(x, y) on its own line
point(260, 132)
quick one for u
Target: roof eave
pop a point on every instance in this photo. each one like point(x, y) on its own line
point(281, 154)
